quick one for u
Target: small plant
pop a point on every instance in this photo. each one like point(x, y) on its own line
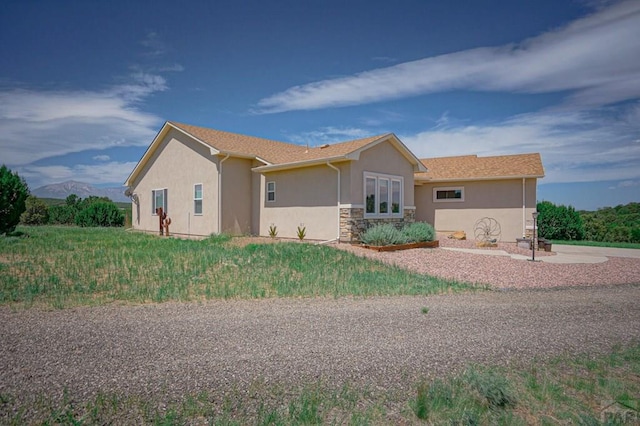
point(421, 404)
point(383, 235)
point(493, 386)
point(302, 232)
point(425, 310)
point(273, 231)
point(419, 232)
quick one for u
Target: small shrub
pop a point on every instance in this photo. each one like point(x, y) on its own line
point(37, 212)
point(273, 231)
point(425, 310)
point(419, 232)
point(383, 235)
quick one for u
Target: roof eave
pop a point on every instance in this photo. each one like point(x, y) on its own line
point(470, 179)
point(406, 152)
point(300, 164)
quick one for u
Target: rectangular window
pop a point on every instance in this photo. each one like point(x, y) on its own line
point(271, 191)
point(159, 199)
point(197, 198)
point(383, 185)
point(448, 194)
point(383, 195)
point(395, 196)
point(370, 194)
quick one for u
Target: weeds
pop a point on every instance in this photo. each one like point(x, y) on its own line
point(68, 266)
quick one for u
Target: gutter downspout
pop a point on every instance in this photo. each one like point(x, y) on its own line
point(220, 193)
point(524, 205)
point(338, 203)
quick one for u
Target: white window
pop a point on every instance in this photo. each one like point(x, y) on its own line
point(271, 191)
point(197, 198)
point(383, 195)
point(159, 199)
point(448, 194)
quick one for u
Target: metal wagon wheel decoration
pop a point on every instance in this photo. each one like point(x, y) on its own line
point(487, 230)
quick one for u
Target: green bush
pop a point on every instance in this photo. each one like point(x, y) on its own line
point(37, 212)
point(13, 195)
point(62, 215)
point(559, 222)
point(419, 232)
point(383, 235)
point(100, 213)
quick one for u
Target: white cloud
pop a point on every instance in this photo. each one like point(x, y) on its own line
point(575, 146)
point(328, 135)
point(39, 124)
point(597, 58)
point(110, 173)
point(101, 158)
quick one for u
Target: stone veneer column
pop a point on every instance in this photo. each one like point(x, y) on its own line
point(353, 223)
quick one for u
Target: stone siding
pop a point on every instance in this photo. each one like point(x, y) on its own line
point(353, 223)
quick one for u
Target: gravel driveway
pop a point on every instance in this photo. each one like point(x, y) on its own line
point(172, 348)
point(503, 272)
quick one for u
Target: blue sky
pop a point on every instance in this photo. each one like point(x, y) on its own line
point(85, 86)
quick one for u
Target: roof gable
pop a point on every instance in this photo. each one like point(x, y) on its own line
point(274, 154)
point(471, 167)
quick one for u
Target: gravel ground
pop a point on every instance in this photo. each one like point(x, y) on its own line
point(388, 343)
point(502, 272)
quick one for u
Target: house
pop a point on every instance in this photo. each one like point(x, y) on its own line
point(209, 181)
point(457, 192)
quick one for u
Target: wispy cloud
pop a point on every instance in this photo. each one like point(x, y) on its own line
point(575, 146)
point(36, 124)
point(595, 58)
point(111, 173)
point(328, 135)
point(101, 157)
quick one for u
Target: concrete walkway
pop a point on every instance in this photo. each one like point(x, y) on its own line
point(564, 254)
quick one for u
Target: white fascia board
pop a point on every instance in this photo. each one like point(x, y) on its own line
point(298, 164)
point(472, 179)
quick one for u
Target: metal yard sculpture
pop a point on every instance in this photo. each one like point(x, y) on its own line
point(487, 231)
point(164, 221)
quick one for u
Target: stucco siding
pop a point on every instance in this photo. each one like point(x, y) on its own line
point(236, 196)
point(499, 199)
point(305, 196)
point(383, 158)
point(177, 165)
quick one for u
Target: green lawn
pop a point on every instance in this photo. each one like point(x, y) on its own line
point(598, 244)
point(70, 266)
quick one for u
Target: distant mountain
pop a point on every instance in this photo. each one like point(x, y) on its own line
point(81, 189)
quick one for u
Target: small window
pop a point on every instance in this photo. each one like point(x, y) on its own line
point(448, 194)
point(159, 199)
point(197, 198)
point(271, 191)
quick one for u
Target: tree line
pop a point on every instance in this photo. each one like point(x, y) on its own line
point(609, 224)
point(17, 206)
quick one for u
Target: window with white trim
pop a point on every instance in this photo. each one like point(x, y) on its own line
point(159, 199)
point(197, 198)
point(271, 191)
point(448, 194)
point(383, 195)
